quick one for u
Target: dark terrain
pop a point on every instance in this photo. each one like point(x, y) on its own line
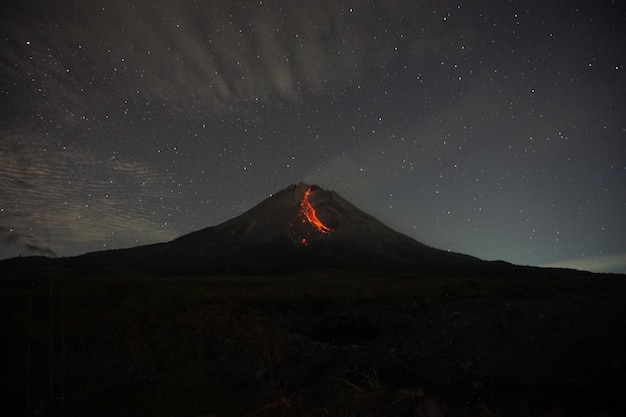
point(316, 343)
point(307, 306)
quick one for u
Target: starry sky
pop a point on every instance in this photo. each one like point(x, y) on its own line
point(492, 128)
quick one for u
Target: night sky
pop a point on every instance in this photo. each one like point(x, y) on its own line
point(491, 128)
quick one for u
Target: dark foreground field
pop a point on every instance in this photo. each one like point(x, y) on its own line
point(326, 343)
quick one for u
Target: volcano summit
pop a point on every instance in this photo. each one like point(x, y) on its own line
point(301, 227)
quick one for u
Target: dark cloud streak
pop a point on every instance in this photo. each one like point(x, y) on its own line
point(28, 243)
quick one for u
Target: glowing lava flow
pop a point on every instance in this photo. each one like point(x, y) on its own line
point(309, 212)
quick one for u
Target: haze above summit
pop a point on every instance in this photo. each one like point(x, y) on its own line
point(494, 130)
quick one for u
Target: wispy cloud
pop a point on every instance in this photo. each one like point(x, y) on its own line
point(213, 56)
point(50, 190)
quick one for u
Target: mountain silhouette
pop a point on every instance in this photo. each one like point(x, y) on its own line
point(301, 227)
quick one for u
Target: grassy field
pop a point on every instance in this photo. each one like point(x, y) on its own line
point(313, 344)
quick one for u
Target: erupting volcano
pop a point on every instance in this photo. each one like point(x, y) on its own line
point(302, 226)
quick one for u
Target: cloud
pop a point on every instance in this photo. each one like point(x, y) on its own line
point(28, 243)
point(210, 57)
point(76, 198)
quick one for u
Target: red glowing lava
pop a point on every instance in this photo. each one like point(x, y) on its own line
point(309, 213)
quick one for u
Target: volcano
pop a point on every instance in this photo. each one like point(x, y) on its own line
point(301, 227)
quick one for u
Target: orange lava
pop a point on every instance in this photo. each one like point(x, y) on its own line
point(309, 212)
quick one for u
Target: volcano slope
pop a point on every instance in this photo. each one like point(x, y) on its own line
point(427, 334)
